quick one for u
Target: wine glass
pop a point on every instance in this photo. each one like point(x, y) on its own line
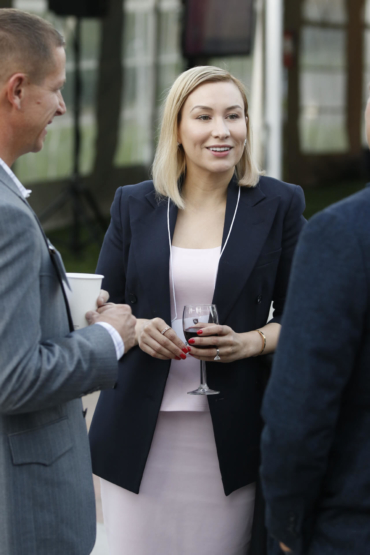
point(194, 318)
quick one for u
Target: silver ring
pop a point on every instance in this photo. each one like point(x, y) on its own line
point(165, 329)
point(217, 357)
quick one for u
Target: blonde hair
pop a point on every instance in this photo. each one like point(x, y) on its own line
point(169, 162)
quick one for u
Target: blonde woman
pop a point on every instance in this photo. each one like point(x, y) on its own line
point(178, 471)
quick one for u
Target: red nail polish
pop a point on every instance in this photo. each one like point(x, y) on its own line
point(177, 358)
point(189, 349)
point(183, 357)
point(199, 332)
point(185, 350)
point(191, 341)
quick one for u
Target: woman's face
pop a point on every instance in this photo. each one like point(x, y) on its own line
point(213, 128)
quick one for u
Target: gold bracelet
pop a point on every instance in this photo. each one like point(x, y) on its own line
point(263, 337)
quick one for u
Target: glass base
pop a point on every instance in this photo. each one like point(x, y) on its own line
point(203, 389)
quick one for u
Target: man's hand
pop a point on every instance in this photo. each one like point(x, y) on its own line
point(103, 298)
point(120, 317)
point(284, 548)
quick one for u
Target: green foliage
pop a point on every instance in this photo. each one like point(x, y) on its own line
point(318, 198)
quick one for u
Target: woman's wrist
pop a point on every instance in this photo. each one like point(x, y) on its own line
point(252, 344)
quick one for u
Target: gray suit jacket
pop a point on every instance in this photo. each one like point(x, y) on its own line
point(47, 504)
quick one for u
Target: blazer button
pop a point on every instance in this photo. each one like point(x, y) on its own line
point(132, 298)
point(259, 299)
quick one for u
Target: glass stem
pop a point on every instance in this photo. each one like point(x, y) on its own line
point(203, 373)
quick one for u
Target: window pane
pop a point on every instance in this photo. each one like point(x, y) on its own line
point(367, 12)
point(322, 120)
point(323, 48)
point(324, 11)
point(322, 115)
point(147, 74)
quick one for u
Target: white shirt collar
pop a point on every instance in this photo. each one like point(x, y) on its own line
point(24, 192)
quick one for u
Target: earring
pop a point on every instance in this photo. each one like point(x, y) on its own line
point(245, 143)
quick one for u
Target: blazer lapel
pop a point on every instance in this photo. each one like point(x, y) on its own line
point(54, 254)
point(9, 183)
point(151, 249)
point(250, 230)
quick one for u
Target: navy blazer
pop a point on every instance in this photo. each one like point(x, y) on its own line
point(253, 271)
point(316, 443)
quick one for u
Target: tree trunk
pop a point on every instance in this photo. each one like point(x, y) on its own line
point(355, 57)
point(292, 162)
point(109, 93)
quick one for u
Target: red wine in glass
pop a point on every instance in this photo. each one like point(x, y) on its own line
point(195, 317)
point(193, 332)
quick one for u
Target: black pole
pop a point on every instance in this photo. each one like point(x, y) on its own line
point(76, 193)
point(76, 226)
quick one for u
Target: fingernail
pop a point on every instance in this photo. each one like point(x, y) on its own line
point(199, 332)
point(177, 358)
point(183, 357)
point(191, 341)
point(189, 349)
point(185, 350)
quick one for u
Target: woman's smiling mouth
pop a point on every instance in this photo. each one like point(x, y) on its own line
point(220, 151)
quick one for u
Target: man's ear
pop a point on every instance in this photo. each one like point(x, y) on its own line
point(15, 89)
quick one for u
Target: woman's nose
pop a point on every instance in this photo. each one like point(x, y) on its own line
point(220, 129)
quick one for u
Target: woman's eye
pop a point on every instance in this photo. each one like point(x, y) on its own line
point(204, 117)
point(233, 116)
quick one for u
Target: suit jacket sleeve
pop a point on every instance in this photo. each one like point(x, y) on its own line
point(38, 374)
point(321, 334)
point(293, 225)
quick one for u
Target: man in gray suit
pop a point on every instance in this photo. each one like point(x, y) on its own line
point(47, 504)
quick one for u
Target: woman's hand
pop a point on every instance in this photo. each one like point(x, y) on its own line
point(163, 346)
point(231, 345)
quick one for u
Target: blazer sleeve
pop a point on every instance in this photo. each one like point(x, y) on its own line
point(111, 263)
point(37, 374)
point(321, 335)
point(292, 227)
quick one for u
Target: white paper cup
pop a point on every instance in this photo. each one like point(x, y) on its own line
point(83, 297)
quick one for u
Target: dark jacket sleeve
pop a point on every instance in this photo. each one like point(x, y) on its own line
point(321, 334)
point(111, 259)
point(293, 225)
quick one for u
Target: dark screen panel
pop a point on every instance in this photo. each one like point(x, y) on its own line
point(80, 8)
point(218, 27)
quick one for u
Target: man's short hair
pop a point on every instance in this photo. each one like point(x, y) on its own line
point(27, 44)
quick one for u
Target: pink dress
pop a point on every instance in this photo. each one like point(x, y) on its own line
point(181, 508)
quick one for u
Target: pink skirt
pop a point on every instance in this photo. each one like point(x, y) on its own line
point(181, 508)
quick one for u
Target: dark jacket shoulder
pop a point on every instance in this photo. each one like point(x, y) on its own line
point(275, 187)
point(138, 190)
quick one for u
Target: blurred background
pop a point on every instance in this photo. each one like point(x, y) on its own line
point(306, 65)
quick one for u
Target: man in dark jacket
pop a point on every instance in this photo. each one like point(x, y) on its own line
point(316, 443)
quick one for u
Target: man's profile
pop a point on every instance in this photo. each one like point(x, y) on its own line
point(47, 504)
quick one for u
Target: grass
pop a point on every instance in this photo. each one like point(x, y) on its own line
point(85, 260)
